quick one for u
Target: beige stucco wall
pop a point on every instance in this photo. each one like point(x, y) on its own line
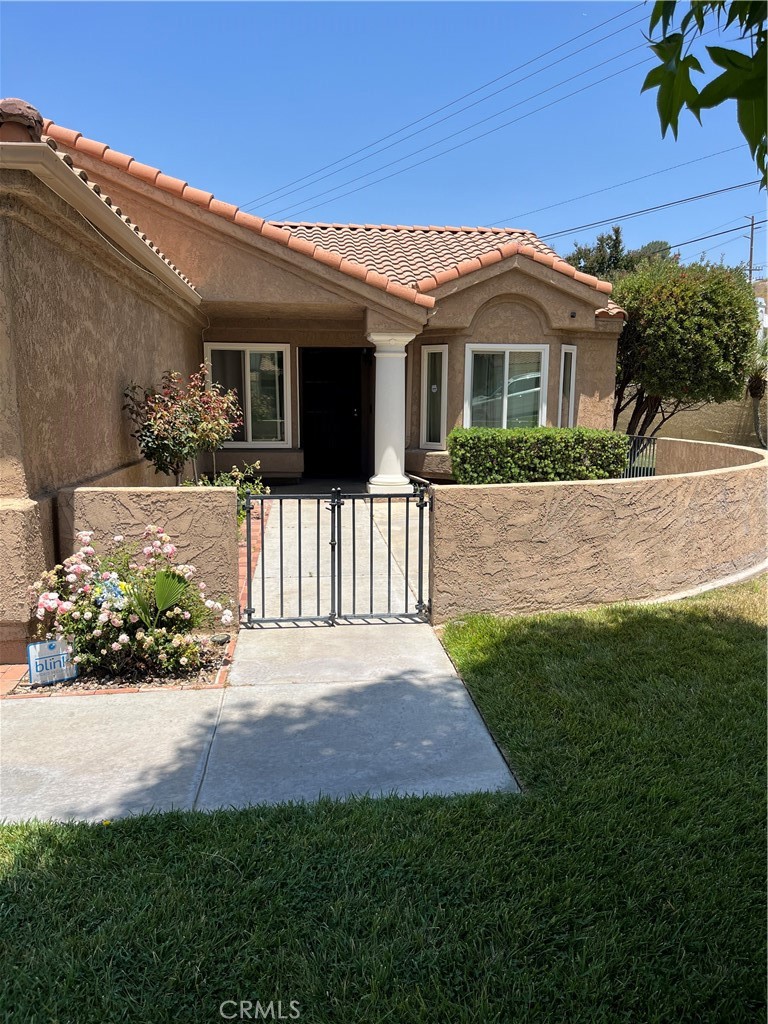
point(202, 523)
point(78, 322)
point(514, 549)
point(723, 422)
point(85, 323)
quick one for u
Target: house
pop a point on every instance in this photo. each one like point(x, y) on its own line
point(355, 348)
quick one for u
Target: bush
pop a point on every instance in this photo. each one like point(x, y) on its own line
point(245, 479)
point(129, 611)
point(489, 455)
point(177, 422)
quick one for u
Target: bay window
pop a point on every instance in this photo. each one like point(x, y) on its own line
point(259, 376)
point(506, 385)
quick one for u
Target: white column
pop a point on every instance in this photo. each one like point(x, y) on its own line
point(389, 419)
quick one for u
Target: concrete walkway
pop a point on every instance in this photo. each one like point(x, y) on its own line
point(312, 710)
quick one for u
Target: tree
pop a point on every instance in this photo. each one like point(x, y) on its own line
point(742, 78)
point(608, 256)
point(688, 340)
point(175, 423)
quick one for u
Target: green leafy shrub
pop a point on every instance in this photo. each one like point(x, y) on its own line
point(178, 421)
point(130, 611)
point(245, 479)
point(490, 455)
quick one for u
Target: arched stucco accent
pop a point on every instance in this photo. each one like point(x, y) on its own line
point(524, 317)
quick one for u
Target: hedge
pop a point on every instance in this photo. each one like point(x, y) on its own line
point(490, 455)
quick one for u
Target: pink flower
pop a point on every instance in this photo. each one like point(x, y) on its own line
point(115, 646)
point(123, 638)
point(133, 618)
point(169, 550)
point(148, 551)
point(71, 578)
point(201, 586)
point(106, 575)
point(187, 615)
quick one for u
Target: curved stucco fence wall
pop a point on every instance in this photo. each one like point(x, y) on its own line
point(511, 549)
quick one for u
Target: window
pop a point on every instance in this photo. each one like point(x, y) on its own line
point(259, 375)
point(506, 386)
point(567, 385)
point(434, 385)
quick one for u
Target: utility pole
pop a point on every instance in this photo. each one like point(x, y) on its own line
point(751, 244)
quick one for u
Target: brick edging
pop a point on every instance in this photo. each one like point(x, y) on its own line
point(222, 674)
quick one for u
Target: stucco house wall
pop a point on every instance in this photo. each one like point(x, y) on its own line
point(80, 321)
point(255, 292)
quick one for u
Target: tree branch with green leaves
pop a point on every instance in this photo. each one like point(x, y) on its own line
point(742, 76)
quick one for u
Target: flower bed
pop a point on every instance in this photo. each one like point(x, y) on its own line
point(131, 614)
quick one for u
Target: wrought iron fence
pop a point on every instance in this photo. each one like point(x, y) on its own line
point(641, 460)
point(322, 557)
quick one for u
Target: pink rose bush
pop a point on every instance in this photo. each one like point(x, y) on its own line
point(131, 610)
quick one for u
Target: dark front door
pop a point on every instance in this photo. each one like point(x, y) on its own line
point(333, 420)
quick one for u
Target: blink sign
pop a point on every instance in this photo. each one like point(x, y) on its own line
point(50, 662)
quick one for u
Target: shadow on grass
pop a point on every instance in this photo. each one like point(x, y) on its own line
point(627, 887)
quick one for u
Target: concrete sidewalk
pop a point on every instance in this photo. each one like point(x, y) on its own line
point(312, 710)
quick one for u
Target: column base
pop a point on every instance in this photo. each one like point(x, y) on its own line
point(380, 484)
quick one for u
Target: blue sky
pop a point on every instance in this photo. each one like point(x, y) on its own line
point(244, 98)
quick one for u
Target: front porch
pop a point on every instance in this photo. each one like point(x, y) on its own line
point(322, 399)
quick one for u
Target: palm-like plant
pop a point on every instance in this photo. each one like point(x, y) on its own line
point(757, 384)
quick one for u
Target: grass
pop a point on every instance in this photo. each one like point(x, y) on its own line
point(626, 886)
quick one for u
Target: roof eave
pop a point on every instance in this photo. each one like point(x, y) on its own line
point(40, 160)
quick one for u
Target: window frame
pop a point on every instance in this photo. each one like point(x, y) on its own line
point(572, 400)
point(490, 347)
point(245, 348)
point(423, 443)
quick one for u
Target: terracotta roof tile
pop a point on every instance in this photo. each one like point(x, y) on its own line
point(403, 260)
point(96, 189)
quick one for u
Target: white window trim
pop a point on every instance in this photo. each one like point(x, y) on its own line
point(472, 349)
point(211, 346)
point(572, 400)
point(434, 445)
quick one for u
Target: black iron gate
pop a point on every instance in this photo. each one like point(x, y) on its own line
point(324, 557)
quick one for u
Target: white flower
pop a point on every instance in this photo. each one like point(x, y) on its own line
point(87, 615)
point(209, 603)
point(123, 638)
point(226, 617)
point(182, 661)
point(118, 538)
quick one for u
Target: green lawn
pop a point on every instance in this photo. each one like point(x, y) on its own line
point(625, 885)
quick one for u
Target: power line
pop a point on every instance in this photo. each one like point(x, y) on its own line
point(701, 238)
point(445, 106)
point(453, 135)
point(474, 138)
point(650, 209)
point(283, 193)
point(609, 188)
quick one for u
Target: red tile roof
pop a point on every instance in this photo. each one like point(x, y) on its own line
point(96, 189)
point(405, 261)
